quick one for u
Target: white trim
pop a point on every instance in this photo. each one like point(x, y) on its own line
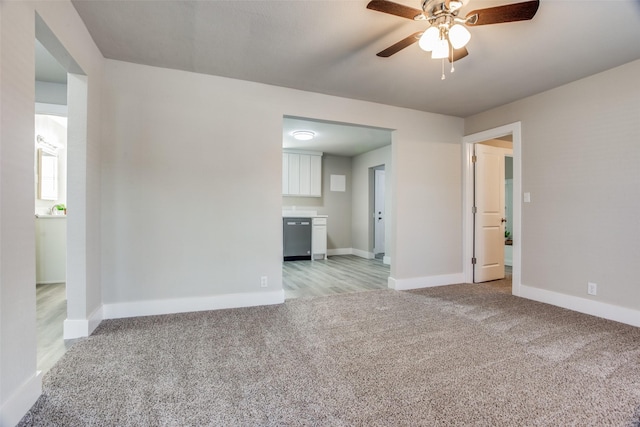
point(386, 260)
point(363, 254)
point(340, 251)
point(425, 282)
point(513, 129)
point(184, 305)
point(14, 408)
point(79, 328)
point(583, 305)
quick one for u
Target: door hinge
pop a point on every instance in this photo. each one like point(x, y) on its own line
point(474, 210)
point(474, 158)
point(473, 261)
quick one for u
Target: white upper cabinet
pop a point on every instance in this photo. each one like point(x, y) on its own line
point(302, 173)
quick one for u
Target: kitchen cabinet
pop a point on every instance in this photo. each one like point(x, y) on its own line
point(302, 173)
point(319, 238)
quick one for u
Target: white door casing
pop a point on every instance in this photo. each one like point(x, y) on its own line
point(379, 214)
point(514, 130)
point(490, 213)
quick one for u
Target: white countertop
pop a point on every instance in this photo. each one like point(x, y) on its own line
point(300, 213)
point(48, 216)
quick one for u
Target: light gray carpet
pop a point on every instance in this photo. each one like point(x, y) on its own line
point(454, 355)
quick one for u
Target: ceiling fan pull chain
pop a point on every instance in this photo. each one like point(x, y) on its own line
point(443, 76)
point(452, 68)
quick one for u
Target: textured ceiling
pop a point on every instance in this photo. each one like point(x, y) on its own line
point(329, 47)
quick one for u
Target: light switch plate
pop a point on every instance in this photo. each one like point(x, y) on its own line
point(527, 197)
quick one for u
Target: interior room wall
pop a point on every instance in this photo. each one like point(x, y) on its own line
point(580, 161)
point(19, 380)
point(194, 194)
point(335, 204)
point(52, 130)
point(362, 201)
point(51, 93)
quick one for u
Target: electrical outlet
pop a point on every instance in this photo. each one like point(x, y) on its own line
point(592, 288)
point(264, 282)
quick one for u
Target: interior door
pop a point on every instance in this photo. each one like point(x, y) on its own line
point(490, 214)
point(378, 214)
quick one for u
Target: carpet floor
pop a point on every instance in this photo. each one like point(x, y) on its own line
point(452, 355)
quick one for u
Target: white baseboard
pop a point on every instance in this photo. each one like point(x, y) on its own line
point(339, 251)
point(363, 254)
point(184, 305)
point(582, 305)
point(79, 328)
point(425, 282)
point(386, 260)
point(14, 408)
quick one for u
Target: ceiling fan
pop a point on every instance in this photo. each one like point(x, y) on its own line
point(447, 34)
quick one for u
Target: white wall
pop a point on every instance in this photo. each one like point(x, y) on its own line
point(51, 93)
point(19, 383)
point(172, 137)
point(580, 157)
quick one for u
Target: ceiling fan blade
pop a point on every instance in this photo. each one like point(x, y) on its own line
point(394, 9)
point(458, 54)
point(507, 13)
point(395, 48)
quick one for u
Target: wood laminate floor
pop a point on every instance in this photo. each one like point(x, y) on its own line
point(334, 275)
point(51, 310)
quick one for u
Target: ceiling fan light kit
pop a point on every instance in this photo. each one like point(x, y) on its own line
point(447, 34)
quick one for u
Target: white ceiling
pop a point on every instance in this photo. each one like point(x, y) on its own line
point(340, 139)
point(329, 46)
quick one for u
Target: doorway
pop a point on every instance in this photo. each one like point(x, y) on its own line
point(378, 213)
point(61, 89)
point(513, 132)
point(490, 209)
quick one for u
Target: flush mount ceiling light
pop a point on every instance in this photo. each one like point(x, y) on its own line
point(447, 35)
point(303, 135)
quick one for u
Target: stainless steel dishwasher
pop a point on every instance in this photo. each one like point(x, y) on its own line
point(296, 238)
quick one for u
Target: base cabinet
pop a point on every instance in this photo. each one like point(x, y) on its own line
point(319, 239)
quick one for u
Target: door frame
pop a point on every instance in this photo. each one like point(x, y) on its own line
point(374, 215)
point(513, 129)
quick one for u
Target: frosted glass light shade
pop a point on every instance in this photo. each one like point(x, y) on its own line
point(429, 39)
point(303, 135)
point(459, 36)
point(441, 50)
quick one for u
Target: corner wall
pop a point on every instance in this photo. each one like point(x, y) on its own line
point(580, 157)
point(19, 381)
point(173, 137)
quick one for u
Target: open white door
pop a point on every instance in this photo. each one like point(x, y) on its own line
point(490, 214)
point(378, 214)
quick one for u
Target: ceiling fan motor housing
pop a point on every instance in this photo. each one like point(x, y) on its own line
point(434, 8)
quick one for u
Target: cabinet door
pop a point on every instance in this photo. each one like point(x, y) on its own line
point(316, 176)
point(319, 239)
point(285, 173)
point(305, 174)
point(294, 174)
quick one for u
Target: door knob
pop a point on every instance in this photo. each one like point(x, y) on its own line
point(503, 220)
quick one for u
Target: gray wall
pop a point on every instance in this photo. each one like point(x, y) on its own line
point(194, 194)
point(362, 228)
point(580, 157)
point(335, 204)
